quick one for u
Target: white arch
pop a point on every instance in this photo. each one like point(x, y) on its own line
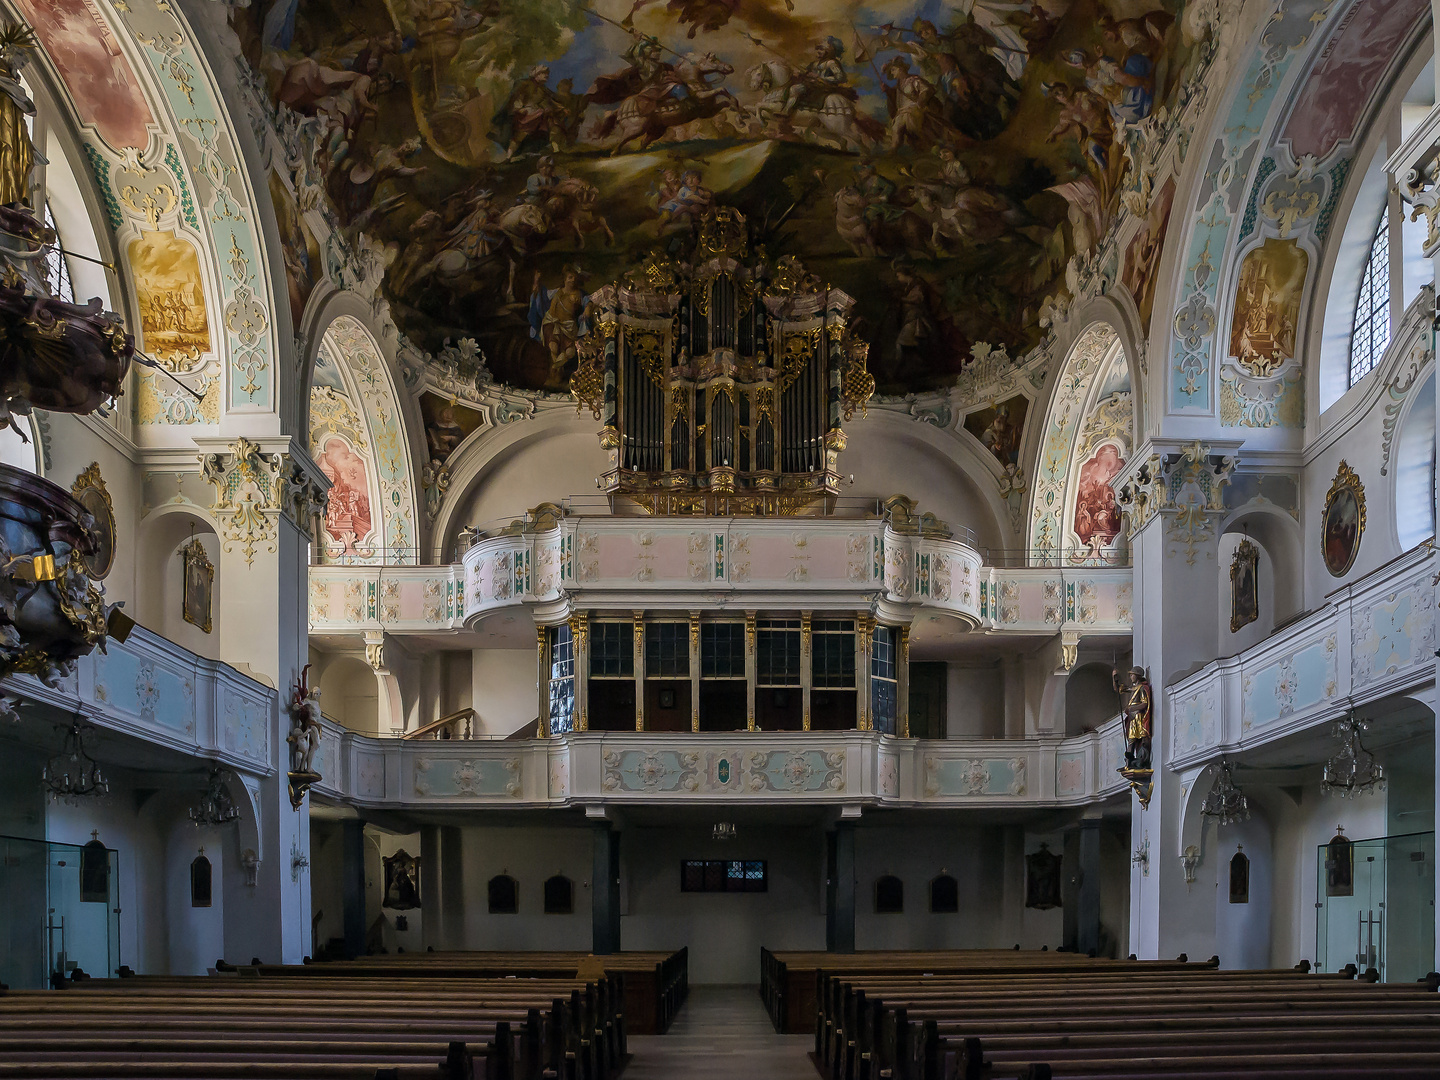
point(1414, 494)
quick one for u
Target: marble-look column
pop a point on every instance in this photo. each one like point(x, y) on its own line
point(1172, 493)
point(840, 888)
point(605, 895)
point(352, 885)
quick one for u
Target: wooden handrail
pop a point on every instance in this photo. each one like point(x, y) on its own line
point(431, 729)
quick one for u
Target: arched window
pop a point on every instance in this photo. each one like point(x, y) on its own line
point(504, 895)
point(1371, 332)
point(200, 881)
point(889, 895)
point(559, 895)
point(57, 267)
point(944, 895)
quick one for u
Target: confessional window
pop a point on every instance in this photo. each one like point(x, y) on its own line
point(667, 650)
point(777, 653)
point(200, 882)
point(562, 680)
point(722, 650)
point(884, 687)
point(504, 895)
point(612, 651)
point(559, 895)
point(889, 895)
point(944, 895)
point(1371, 332)
point(832, 659)
point(57, 269)
point(724, 875)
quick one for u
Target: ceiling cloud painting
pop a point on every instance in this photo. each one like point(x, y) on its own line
point(939, 161)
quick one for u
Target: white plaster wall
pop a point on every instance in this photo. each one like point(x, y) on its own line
point(410, 939)
point(530, 855)
point(504, 691)
point(1299, 830)
point(724, 930)
point(160, 605)
point(196, 934)
point(916, 856)
point(974, 701)
point(1242, 931)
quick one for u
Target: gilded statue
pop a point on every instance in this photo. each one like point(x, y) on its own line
point(17, 152)
point(1136, 703)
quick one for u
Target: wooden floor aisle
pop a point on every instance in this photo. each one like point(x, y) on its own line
point(723, 1031)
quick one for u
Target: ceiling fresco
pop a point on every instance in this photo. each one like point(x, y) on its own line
point(939, 161)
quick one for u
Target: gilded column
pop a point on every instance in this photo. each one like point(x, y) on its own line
point(580, 650)
point(864, 642)
point(750, 670)
point(807, 670)
point(542, 666)
point(639, 617)
point(902, 685)
point(694, 671)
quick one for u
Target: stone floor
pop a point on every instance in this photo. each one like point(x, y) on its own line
point(723, 1031)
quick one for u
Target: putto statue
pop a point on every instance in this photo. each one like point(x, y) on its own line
point(304, 737)
point(1136, 707)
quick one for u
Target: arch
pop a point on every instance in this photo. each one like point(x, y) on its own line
point(1090, 698)
point(350, 695)
point(201, 890)
point(559, 895)
point(1414, 498)
point(503, 895)
point(1095, 350)
point(372, 439)
point(889, 895)
point(1282, 542)
point(162, 538)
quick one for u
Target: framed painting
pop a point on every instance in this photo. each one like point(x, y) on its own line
point(402, 881)
point(89, 491)
point(199, 585)
point(1042, 879)
point(1344, 521)
point(1244, 589)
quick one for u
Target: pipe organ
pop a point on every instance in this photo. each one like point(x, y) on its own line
point(722, 383)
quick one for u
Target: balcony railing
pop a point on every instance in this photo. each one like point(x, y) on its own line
point(829, 564)
point(1370, 640)
point(858, 768)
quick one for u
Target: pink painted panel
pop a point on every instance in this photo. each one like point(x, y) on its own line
point(347, 514)
point(99, 78)
point(1345, 78)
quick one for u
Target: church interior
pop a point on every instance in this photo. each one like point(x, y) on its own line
point(552, 538)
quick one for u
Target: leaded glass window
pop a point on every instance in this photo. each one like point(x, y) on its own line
point(612, 650)
point(722, 650)
point(667, 650)
point(57, 269)
point(777, 653)
point(832, 657)
point(562, 680)
point(1371, 333)
point(884, 687)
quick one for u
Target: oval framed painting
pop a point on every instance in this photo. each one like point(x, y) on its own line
point(1344, 521)
point(89, 490)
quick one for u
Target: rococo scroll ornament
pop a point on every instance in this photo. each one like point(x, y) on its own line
point(1344, 521)
point(721, 384)
point(304, 737)
point(1136, 707)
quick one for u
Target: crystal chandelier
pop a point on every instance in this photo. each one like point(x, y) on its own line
point(215, 806)
point(72, 774)
point(724, 830)
point(1226, 801)
point(1353, 770)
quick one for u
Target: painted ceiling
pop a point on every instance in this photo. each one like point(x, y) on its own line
point(938, 161)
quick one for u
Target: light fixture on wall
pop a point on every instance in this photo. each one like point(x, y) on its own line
point(1352, 770)
point(1226, 801)
point(215, 806)
point(723, 830)
point(72, 774)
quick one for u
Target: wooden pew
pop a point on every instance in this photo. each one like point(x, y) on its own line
point(1105, 1019)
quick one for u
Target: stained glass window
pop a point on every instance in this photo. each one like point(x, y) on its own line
point(724, 875)
point(1371, 333)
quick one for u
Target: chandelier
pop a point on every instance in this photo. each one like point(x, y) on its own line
point(1226, 801)
point(724, 830)
point(72, 774)
point(215, 806)
point(1353, 770)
